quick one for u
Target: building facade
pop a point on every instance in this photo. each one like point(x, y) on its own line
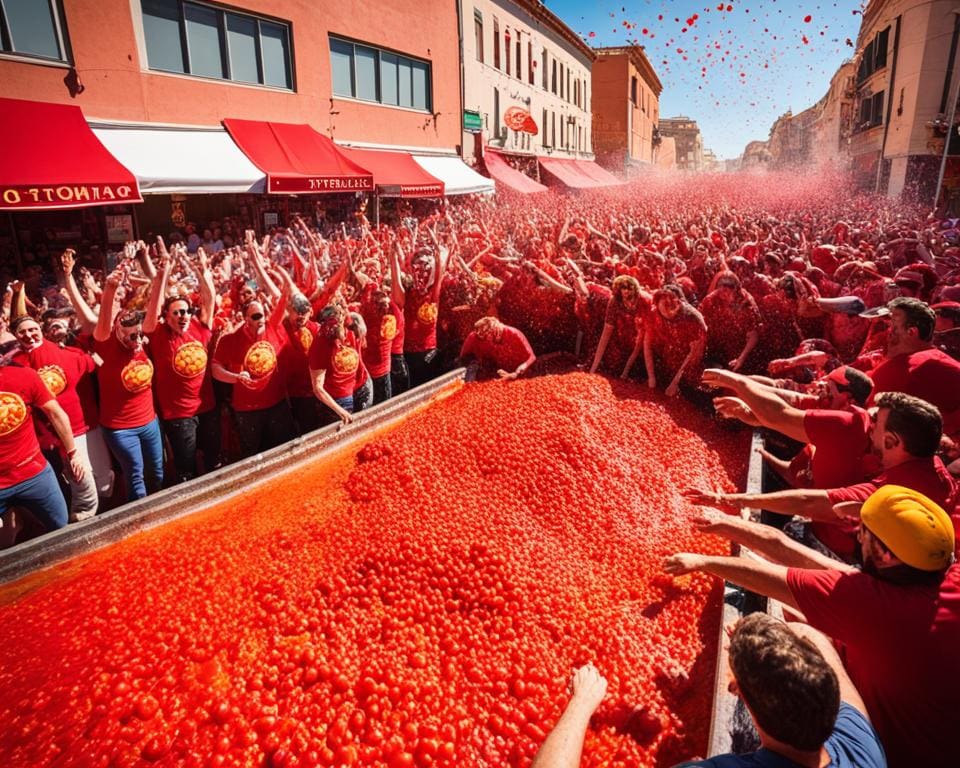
point(906, 72)
point(689, 142)
point(626, 109)
point(526, 83)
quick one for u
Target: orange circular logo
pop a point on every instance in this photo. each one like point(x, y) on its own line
point(427, 314)
point(260, 360)
point(54, 377)
point(388, 327)
point(137, 375)
point(13, 412)
point(190, 360)
point(304, 338)
point(346, 360)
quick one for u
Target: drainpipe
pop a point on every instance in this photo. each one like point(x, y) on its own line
point(886, 126)
point(462, 93)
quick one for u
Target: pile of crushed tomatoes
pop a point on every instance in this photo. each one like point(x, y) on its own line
point(419, 601)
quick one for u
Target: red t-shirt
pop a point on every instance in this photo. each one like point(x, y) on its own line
point(126, 385)
point(295, 357)
point(899, 645)
point(627, 324)
point(260, 357)
point(61, 369)
point(183, 386)
point(21, 389)
point(341, 361)
point(671, 341)
point(930, 375)
point(420, 314)
point(400, 338)
point(511, 351)
point(381, 335)
point(728, 324)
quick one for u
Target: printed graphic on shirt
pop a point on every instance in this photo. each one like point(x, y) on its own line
point(304, 338)
point(54, 377)
point(388, 327)
point(13, 412)
point(427, 314)
point(260, 360)
point(137, 375)
point(190, 360)
point(346, 360)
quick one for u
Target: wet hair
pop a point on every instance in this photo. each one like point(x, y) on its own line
point(669, 290)
point(859, 385)
point(918, 315)
point(790, 689)
point(58, 313)
point(20, 320)
point(916, 422)
point(171, 300)
point(300, 304)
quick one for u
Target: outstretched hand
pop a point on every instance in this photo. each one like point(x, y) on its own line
point(682, 563)
point(587, 688)
point(709, 499)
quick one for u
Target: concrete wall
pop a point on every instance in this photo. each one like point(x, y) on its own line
point(109, 53)
point(482, 79)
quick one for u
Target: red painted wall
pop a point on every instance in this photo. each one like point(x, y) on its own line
point(103, 36)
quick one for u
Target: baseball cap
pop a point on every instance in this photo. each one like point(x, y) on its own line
point(914, 528)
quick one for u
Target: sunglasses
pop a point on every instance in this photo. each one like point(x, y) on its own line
point(180, 312)
point(134, 336)
point(256, 316)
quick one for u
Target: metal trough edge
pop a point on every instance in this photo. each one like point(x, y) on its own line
point(179, 501)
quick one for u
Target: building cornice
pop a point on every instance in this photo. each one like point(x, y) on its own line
point(544, 15)
point(638, 58)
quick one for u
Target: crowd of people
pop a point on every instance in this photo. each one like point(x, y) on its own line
point(829, 319)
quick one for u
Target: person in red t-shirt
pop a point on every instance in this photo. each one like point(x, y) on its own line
point(420, 304)
point(301, 330)
point(913, 365)
point(897, 623)
point(380, 314)
point(26, 479)
point(61, 369)
point(623, 325)
point(180, 347)
point(129, 421)
point(499, 350)
point(399, 372)
point(674, 341)
point(250, 358)
point(733, 322)
point(339, 377)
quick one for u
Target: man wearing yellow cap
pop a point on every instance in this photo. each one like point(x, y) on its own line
point(897, 622)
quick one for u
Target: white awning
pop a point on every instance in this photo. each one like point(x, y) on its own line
point(181, 160)
point(458, 177)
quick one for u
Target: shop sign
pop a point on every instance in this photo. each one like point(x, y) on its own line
point(119, 227)
point(321, 184)
point(65, 195)
point(517, 119)
point(472, 121)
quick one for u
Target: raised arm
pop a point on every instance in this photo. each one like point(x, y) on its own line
point(86, 317)
point(769, 409)
point(396, 285)
point(104, 326)
point(155, 300)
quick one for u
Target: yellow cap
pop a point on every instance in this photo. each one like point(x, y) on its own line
point(914, 528)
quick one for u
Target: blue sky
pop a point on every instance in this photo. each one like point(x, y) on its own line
point(734, 70)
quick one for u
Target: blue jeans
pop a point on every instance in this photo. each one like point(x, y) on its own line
point(140, 453)
point(41, 495)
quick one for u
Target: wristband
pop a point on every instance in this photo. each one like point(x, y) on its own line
point(72, 453)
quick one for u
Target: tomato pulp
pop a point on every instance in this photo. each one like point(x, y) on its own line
point(419, 601)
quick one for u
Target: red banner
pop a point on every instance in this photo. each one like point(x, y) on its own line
point(321, 184)
point(66, 195)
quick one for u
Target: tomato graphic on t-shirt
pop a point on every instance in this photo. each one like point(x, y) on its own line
point(13, 412)
point(346, 360)
point(260, 360)
point(54, 377)
point(136, 375)
point(190, 360)
point(304, 338)
point(427, 313)
point(388, 327)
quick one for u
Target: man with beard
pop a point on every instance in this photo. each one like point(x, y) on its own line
point(129, 421)
point(249, 358)
point(180, 349)
point(61, 369)
point(897, 622)
point(301, 330)
point(420, 305)
point(339, 377)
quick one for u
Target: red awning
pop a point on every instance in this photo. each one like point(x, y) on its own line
point(501, 171)
point(51, 159)
point(568, 174)
point(597, 173)
point(396, 174)
point(298, 159)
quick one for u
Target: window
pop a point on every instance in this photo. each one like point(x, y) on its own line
point(31, 28)
point(496, 43)
point(519, 75)
point(546, 72)
point(478, 34)
point(202, 40)
point(496, 113)
point(561, 81)
point(874, 55)
point(553, 128)
point(530, 67)
point(569, 94)
point(871, 111)
point(506, 50)
point(370, 74)
point(553, 78)
point(543, 129)
point(633, 90)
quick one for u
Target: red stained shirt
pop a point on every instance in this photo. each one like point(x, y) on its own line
point(628, 325)
point(61, 369)
point(511, 351)
point(21, 390)
point(728, 324)
point(672, 339)
point(381, 335)
point(296, 357)
point(899, 645)
point(341, 361)
point(126, 385)
point(260, 357)
point(184, 387)
point(420, 314)
point(930, 375)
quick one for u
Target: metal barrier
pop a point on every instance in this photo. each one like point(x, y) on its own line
point(197, 494)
